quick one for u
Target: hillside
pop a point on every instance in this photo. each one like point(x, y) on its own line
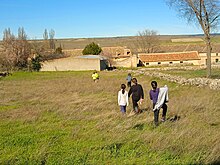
point(166, 43)
point(65, 118)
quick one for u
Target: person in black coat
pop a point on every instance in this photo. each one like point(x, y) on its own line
point(137, 93)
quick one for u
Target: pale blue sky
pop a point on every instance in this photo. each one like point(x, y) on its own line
point(91, 18)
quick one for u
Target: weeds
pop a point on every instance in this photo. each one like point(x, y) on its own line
point(66, 118)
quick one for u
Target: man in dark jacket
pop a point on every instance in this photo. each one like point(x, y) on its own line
point(137, 93)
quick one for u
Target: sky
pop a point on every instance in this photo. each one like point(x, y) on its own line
point(91, 18)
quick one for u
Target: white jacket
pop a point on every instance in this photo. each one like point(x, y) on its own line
point(123, 98)
point(162, 97)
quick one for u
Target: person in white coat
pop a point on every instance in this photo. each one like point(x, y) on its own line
point(123, 99)
point(159, 97)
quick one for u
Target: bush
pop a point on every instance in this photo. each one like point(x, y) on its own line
point(59, 50)
point(92, 48)
point(35, 63)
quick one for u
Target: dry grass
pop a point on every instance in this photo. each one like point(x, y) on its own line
point(64, 117)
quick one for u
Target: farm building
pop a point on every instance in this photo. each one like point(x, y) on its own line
point(86, 62)
point(169, 58)
point(215, 58)
point(191, 57)
point(125, 61)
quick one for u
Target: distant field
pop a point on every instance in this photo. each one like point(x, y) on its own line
point(80, 43)
point(129, 41)
point(66, 118)
point(187, 40)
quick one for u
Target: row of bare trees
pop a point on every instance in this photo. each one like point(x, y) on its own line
point(16, 49)
point(18, 52)
point(49, 37)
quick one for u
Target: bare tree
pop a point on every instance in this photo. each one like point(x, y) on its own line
point(204, 13)
point(147, 41)
point(23, 49)
point(8, 56)
point(45, 35)
point(16, 49)
point(21, 34)
point(51, 35)
point(46, 42)
point(38, 48)
point(108, 55)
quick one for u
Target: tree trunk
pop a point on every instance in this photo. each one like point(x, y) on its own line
point(209, 50)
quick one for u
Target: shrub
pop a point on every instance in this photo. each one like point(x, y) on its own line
point(35, 63)
point(92, 48)
point(59, 50)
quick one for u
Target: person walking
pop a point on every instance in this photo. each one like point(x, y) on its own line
point(159, 97)
point(129, 78)
point(137, 93)
point(123, 99)
point(95, 76)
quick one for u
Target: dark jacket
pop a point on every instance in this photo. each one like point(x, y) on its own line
point(137, 92)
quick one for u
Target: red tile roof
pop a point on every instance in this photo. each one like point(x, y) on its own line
point(175, 56)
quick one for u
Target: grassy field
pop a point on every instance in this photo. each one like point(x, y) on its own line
point(66, 118)
point(194, 73)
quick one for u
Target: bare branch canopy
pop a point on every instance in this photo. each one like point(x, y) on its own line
point(205, 14)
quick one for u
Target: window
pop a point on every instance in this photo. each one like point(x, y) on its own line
point(216, 60)
point(159, 63)
point(170, 62)
point(216, 54)
point(181, 62)
point(147, 63)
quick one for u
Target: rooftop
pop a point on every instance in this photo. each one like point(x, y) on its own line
point(92, 57)
point(174, 56)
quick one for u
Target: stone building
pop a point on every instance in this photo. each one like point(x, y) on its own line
point(169, 58)
point(86, 62)
point(215, 58)
point(190, 57)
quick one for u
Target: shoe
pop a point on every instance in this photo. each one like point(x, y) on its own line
point(163, 119)
point(156, 124)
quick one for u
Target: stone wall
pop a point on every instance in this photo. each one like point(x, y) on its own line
point(213, 84)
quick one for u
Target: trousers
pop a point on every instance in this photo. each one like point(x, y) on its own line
point(156, 113)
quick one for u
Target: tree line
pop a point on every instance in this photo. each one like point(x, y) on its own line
point(204, 13)
point(19, 53)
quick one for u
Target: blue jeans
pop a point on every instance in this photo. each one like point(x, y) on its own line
point(123, 108)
